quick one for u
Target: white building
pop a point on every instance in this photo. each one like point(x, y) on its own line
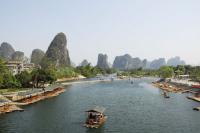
point(17, 67)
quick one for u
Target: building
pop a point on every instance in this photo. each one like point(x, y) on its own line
point(28, 67)
point(16, 67)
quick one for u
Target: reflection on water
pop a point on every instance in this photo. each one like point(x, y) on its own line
point(137, 107)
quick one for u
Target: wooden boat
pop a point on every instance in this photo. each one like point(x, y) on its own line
point(196, 108)
point(196, 86)
point(166, 96)
point(95, 117)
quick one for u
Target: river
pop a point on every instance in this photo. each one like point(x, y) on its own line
point(131, 108)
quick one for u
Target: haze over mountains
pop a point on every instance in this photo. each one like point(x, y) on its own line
point(57, 54)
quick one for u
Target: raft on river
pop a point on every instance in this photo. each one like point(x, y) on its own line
point(95, 117)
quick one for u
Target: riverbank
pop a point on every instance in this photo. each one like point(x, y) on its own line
point(42, 96)
point(9, 108)
point(171, 87)
point(182, 86)
point(176, 85)
point(14, 101)
point(25, 97)
point(71, 79)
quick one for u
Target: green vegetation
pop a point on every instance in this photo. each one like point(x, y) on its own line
point(36, 78)
point(89, 71)
point(166, 72)
point(138, 72)
point(24, 78)
point(46, 75)
point(42, 76)
point(66, 72)
point(194, 73)
point(7, 80)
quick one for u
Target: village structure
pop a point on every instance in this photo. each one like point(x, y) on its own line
point(16, 67)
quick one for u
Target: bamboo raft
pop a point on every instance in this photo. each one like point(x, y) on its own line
point(96, 118)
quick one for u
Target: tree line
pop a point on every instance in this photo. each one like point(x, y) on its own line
point(166, 72)
point(37, 78)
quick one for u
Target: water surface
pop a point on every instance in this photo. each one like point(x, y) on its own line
point(131, 108)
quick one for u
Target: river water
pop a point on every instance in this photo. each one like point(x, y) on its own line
point(131, 108)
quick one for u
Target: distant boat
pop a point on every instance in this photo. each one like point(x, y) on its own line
point(165, 95)
point(95, 117)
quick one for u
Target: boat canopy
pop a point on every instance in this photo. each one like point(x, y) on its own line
point(97, 109)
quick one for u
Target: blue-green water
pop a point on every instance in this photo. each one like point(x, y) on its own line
point(131, 108)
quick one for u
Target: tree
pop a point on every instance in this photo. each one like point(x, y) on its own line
point(7, 80)
point(166, 72)
point(2, 70)
point(42, 76)
point(195, 73)
point(89, 71)
point(50, 75)
point(188, 69)
point(180, 70)
point(66, 72)
point(24, 78)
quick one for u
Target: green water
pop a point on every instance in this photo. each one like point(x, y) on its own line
point(131, 108)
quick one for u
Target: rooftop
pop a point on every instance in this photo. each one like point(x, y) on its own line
point(97, 109)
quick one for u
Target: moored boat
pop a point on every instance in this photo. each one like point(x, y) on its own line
point(196, 86)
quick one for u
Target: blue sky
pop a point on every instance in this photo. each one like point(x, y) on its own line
point(143, 28)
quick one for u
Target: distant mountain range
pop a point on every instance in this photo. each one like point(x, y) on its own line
point(126, 62)
point(57, 54)
point(7, 52)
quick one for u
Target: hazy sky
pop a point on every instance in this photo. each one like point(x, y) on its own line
point(143, 28)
